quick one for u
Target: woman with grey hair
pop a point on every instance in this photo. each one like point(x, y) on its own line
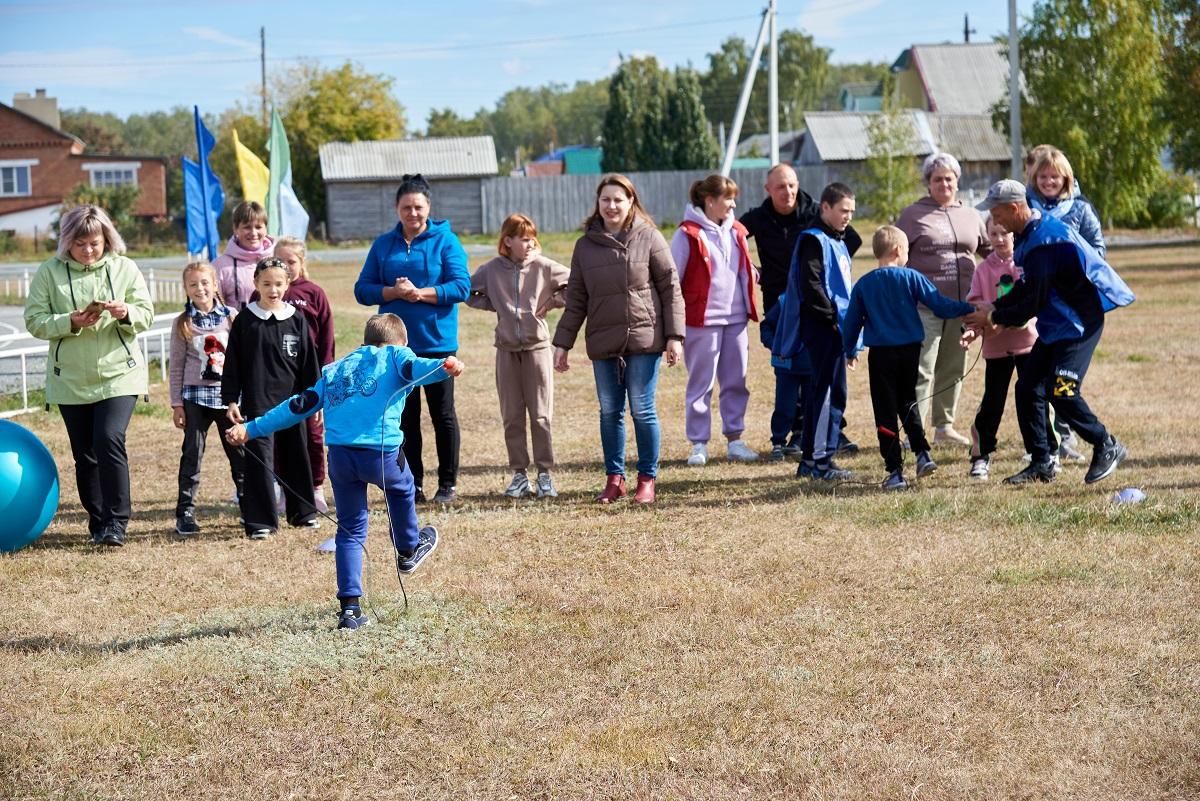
point(91, 302)
point(944, 235)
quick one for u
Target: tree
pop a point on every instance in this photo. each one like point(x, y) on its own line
point(119, 201)
point(1093, 91)
point(101, 131)
point(622, 121)
point(889, 176)
point(656, 148)
point(343, 104)
point(446, 122)
point(1181, 55)
point(694, 145)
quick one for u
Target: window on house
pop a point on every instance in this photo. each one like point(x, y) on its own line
point(14, 180)
point(120, 177)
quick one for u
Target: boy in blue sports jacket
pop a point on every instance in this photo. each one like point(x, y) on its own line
point(362, 395)
point(792, 374)
point(883, 308)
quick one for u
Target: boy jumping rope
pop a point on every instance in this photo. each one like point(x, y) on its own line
point(363, 396)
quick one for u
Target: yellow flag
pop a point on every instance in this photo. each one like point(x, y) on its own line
point(254, 174)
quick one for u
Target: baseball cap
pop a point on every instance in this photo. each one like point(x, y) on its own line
point(1006, 191)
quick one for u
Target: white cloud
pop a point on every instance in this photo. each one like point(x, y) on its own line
point(615, 61)
point(73, 67)
point(514, 66)
point(218, 37)
point(825, 19)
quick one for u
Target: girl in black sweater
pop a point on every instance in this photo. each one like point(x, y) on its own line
point(271, 357)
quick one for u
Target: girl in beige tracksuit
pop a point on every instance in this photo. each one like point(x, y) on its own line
point(521, 285)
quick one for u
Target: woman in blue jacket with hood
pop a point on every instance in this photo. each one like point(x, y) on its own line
point(418, 271)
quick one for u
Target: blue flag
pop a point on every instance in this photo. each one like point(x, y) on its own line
point(203, 195)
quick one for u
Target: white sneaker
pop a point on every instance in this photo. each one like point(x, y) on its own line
point(739, 451)
point(699, 455)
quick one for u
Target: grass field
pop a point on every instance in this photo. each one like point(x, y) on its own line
point(748, 637)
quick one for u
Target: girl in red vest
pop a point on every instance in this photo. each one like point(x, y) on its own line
point(718, 281)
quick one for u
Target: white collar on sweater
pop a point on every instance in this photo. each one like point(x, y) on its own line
point(279, 314)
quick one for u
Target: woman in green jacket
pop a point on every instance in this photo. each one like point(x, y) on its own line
point(91, 302)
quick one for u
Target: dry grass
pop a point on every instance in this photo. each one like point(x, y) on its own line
point(749, 637)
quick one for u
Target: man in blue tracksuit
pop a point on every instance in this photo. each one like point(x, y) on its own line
point(814, 305)
point(1069, 287)
point(363, 397)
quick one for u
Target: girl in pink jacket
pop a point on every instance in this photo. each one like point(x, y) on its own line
point(249, 243)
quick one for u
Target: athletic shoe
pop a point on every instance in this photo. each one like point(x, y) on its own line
point(446, 495)
point(1042, 472)
point(946, 435)
point(419, 496)
point(793, 450)
point(427, 541)
point(830, 472)
point(739, 451)
point(845, 446)
point(777, 454)
point(519, 486)
point(805, 469)
point(312, 522)
point(258, 533)
point(545, 486)
point(185, 524)
point(895, 481)
point(319, 500)
point(352, 618)
point(699, 455)
point(980, 467)
point(1105, 459)
point(111, 535)
point(1055, 463)
point(925, 464)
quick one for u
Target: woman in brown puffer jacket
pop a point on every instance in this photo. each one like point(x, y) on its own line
point(624, 283)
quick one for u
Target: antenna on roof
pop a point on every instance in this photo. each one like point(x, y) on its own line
point(967, 29)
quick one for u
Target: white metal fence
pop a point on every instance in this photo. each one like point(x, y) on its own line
point(164, 285)
point(156, 346)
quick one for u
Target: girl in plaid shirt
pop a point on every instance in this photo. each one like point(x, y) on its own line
point(198, 342)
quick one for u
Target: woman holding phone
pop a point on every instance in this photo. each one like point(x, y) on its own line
point(91, 302)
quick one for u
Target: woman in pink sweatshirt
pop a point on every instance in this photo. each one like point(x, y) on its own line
point(717, 280)
point(1004, 349)
point(249, 243)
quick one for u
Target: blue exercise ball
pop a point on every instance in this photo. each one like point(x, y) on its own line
point(28, 486)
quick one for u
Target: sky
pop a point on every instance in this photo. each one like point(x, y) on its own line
point(133, 56)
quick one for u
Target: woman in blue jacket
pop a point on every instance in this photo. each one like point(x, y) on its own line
point(418, 271)
point(1052, 190)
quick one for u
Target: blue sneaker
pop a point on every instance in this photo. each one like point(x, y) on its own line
point(895, 481)
point(427, 540)
point(925, 464)
point(352, 618)
point(805, 469)
point(830, 472)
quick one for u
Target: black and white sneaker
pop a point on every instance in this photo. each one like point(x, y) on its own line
point(353, 618)
point(1035, 472)
point(519, 486)
point(545, 486)
point(1105, 459)
point(427, 541)
point(446, 495)
point(258, 533)
point(980, 467)
point(185, 524)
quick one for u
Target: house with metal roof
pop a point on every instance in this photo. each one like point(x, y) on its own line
point(842, 140)
point(361, 179)
point(951, 78)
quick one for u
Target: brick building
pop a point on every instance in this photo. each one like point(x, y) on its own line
point(40, 164)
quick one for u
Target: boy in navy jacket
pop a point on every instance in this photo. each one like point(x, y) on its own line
point(883, 307)
point(363, 397)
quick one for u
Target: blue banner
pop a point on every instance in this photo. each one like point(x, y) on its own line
point(203, 195)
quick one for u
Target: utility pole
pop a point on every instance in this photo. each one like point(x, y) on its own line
point(1014, 90)
point(744, 98)
point(967, 29)
point(773, 87)
point(262, 60)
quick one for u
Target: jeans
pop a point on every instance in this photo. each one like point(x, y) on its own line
point(97, 434)
point(825, 397)
point(350, 471)
point(635, 377)
point(788, 416)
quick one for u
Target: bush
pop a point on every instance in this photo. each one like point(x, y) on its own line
point(1174, 204)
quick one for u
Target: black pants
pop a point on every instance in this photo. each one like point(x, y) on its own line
point(440, 397)
point(197, 420)
point(97, 433)
point(825, 396)
point(1054, 373)
point(258, 500)
point(893, 373)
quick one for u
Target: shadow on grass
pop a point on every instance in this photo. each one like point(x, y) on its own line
point(72, 526)
point(37, 645)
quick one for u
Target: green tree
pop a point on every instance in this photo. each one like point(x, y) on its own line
point(656, 148)
point(446, 122)
point(101, 131)
point(1094, 84)
point(890, 178)
point(622, 122)
point(1181, 55)
point(341, 104)
point(687, 128)
point(119, 201)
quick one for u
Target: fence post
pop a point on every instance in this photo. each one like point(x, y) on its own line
point(25, 282)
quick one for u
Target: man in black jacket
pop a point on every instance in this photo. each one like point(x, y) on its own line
point(775, 226)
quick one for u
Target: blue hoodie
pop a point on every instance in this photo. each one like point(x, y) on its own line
point(883, 306)
point(362, 394)
point(434, 259)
